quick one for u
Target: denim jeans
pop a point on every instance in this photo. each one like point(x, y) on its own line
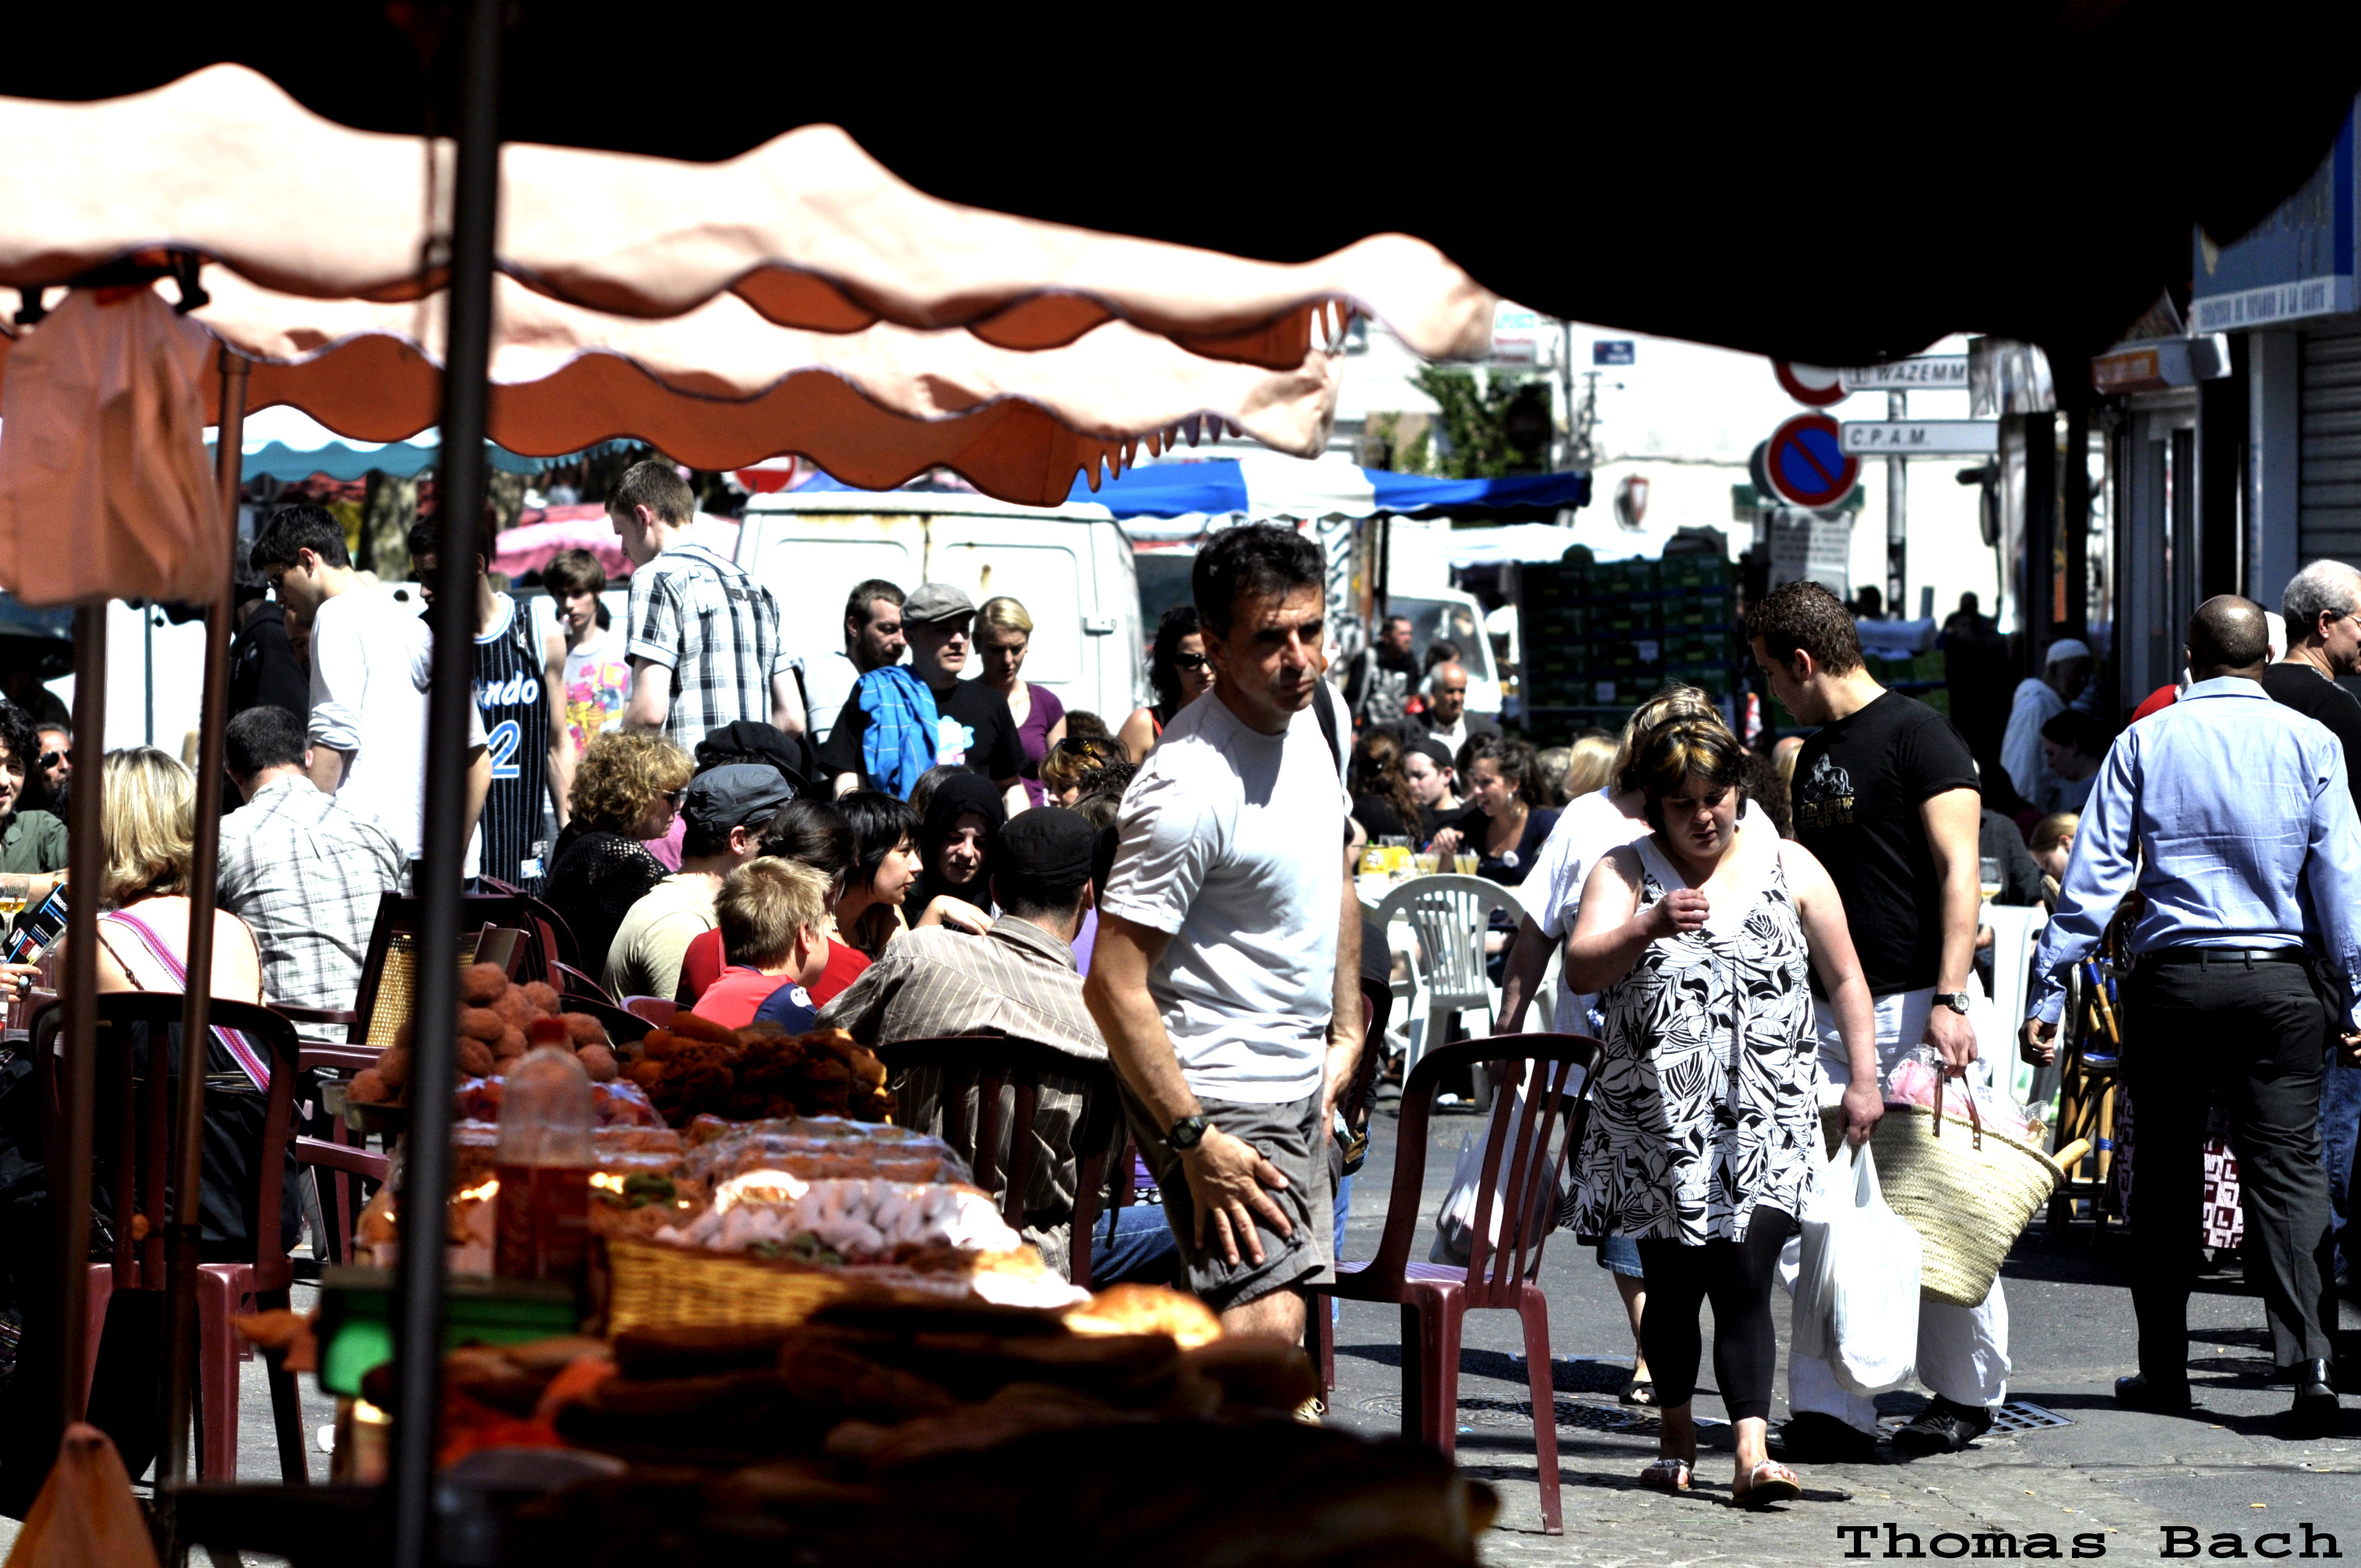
point(2340, 1111)
point(1135, 1244)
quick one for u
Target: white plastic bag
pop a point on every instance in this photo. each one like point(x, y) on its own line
point(1857, 1287)
point(1454, 1221)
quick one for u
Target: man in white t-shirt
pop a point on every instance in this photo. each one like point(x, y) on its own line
point(1226, 974)
point(873, 640)
point(370, 658)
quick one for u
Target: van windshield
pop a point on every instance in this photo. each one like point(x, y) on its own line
point(1446, 620)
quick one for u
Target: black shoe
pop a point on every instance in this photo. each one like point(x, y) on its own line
point(2140, 1392)
point(1943, 1427)
point(1810, 1437)
point(2315, 1412)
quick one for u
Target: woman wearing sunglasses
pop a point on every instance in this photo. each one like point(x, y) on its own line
point(1181, 674)
point(626, 792)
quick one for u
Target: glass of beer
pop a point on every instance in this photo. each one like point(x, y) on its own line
point(1467, 862)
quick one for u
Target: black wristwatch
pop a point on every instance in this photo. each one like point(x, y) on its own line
point(1187, 1133)
point(1956, 1001)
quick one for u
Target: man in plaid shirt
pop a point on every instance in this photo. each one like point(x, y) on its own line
point(303, 872)
point(703, 636)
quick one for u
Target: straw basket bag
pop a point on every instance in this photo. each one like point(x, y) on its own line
point(1967, 1191)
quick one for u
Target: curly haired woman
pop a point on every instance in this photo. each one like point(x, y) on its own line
point(626, 790)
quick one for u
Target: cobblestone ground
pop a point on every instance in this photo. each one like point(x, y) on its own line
point(2119, 1476)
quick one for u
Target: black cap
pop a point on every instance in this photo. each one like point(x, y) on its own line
point(736, 795)
point(1049, 845)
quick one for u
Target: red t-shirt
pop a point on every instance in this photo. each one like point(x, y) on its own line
point(701, 965)
point(2164, 696)
point(733, 999)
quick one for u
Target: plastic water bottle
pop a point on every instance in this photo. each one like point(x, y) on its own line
point(546, 1155)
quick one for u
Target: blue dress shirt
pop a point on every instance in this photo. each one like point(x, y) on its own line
point(2229, 813)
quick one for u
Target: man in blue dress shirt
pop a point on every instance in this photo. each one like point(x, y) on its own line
point(2229, 814)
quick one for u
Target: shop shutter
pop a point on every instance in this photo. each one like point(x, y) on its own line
point(2328, 506)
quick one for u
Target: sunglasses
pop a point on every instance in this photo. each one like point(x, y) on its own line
point(1190, 661)
point(51, 759)
point(673, 797)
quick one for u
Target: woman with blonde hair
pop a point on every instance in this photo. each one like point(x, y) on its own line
point(626, 791)
point(2053, 846)
point(1590, 765)
point(146, 822)
point(1004, 635)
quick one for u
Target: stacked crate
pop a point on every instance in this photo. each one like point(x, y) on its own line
point(1602, 637)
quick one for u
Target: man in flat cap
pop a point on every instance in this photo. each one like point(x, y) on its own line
point(903, 719)
point(1017, 979)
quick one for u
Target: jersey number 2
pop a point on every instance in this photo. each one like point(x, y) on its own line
point(502, 744)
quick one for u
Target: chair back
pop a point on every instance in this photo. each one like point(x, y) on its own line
point(133, 1120)
point(1529, 1141)
point(552, 936)
point(389, 968)
point(1450, 915)
point(998, 1147)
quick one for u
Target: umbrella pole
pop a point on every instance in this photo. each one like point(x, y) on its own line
point(69, 1165)
point(418, 1275)
point(189, 1111)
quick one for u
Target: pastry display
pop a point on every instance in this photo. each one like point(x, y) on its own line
point(697, 1067)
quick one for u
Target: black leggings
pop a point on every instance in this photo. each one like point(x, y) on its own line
point(1738, 1275)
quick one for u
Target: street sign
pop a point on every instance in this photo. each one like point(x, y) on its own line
point(1922, 437)
point(1806, 463)
point(1815, 386)
point(1612, 351)
point(1925, 373)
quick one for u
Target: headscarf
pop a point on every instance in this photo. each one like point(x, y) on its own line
point(954, 798)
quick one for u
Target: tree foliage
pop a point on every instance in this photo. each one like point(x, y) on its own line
point(1490, 426)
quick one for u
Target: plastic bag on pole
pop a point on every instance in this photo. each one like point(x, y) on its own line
point(1871, 1256)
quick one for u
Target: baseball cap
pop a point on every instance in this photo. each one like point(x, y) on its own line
point(936, 601)
point(736, 795)
point(1047, 844)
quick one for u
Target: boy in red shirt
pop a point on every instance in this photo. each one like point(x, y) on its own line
point(773, 920)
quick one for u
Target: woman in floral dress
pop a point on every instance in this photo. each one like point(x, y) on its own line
point(1701, 940)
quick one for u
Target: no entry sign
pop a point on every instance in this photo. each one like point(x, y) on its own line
point(1815, 386)
point(1808, 462)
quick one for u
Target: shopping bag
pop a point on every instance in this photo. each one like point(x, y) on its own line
point(86, 1516)
point(1814, 1328)
point(1870, 1257)
point(1454, 1221)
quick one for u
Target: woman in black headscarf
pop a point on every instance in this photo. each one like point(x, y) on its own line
point(954, 842)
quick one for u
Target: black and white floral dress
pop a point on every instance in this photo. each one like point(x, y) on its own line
point(1707, 1103)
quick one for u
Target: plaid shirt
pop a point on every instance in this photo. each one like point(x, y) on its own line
point(717, 630)
point(306, 874)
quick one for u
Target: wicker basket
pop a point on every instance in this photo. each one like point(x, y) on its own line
point(651, 1286)
point(1967, 1191)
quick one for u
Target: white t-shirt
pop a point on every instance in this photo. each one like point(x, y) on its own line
point(371, 660)
point(829, 681)
point(1588, 831)
point(1233, 841)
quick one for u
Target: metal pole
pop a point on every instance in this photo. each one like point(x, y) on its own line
point(1897, 516)
point(418, 1282)
point(185, 1229)
point(2074, 522)
point(77, 1074)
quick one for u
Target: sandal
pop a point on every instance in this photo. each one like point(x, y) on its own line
point(1666, 1476)
point(1769, 1481)
point(1638, 1391)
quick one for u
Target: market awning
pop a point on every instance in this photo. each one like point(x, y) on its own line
point(1269, 484)
point(287, 445)
point(1778, 216)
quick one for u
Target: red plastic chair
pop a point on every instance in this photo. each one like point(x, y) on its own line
point(133, 1118)
point(1536, 1132)
point(658, 1011)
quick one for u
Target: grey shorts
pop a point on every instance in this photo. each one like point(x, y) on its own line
point(1290, 1136)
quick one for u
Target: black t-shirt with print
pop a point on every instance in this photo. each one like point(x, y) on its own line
point(1859, 783)
point(980, 733)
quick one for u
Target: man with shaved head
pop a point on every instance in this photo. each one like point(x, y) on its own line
point(2231, 815)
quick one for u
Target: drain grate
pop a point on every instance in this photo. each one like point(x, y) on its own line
point(2014, 1417)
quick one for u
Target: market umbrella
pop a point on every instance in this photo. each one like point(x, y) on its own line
point(111, 194)
point(1835, 186)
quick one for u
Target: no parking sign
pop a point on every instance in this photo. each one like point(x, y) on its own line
point(1807, 463)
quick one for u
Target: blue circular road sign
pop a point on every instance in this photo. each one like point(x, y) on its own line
point(1808, 462)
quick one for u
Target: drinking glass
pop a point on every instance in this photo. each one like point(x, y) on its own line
point(1425, 861)
point(1466, 862)
point(1988, 874)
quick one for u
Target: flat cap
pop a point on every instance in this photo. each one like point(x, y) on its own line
point(931, 602)
point(736, 795)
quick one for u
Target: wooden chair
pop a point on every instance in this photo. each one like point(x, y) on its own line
point(1530, 1140)
point(134, 1121)
point(976, 1069)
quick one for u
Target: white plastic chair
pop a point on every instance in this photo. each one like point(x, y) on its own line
point(1449, 915)
point(2016, 931)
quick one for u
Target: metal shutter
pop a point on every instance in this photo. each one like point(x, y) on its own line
point(2328, 475)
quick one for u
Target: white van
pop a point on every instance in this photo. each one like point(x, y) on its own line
point(1069, 566)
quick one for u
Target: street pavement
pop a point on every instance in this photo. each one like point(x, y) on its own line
point(2119, 1476)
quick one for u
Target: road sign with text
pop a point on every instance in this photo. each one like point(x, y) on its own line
point(1923, 373)
point(1922, 438)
